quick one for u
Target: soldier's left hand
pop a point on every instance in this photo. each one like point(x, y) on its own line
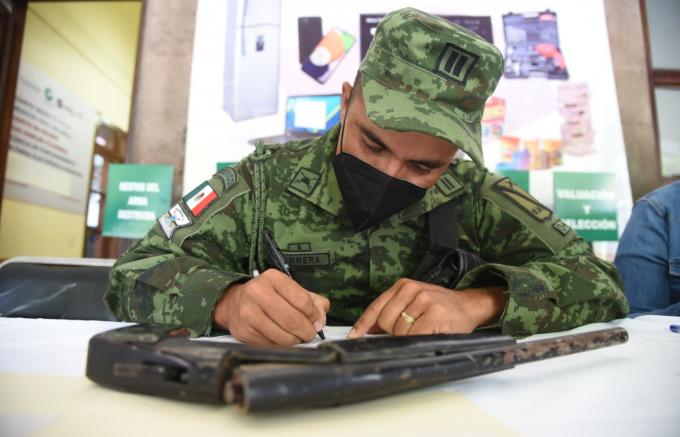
point(430, 310)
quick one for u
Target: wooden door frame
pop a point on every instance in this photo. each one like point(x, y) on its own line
point(657, 77)
point(12, 39)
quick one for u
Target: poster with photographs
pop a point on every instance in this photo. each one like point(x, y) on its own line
point(272, 71)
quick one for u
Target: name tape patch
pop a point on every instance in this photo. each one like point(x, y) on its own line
point(308, 259)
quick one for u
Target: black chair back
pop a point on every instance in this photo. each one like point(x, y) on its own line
point(54, 288)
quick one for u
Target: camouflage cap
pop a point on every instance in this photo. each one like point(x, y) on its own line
point(425, 74)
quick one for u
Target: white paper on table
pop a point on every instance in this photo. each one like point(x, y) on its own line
point(331, 332)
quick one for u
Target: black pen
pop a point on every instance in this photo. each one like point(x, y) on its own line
point(280, 263)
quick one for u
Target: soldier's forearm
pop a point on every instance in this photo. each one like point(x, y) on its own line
point(180, 290)
point(485, 304)
point(558, 294)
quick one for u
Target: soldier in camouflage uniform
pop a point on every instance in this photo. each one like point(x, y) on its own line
point(349, 210)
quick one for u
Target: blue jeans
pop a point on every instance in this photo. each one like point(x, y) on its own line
point(648, 255)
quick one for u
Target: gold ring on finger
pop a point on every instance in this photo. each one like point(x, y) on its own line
point(407, 317)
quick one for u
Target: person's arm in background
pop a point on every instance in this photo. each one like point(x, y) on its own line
point(644, 255)
point(554, 281)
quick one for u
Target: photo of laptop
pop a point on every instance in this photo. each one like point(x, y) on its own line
point(307, 116)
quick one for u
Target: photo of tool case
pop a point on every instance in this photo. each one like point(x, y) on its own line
point(532, 46)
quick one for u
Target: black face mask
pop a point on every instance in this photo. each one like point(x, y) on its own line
point(370, 195)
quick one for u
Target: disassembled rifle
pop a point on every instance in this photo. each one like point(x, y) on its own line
point(163, 361)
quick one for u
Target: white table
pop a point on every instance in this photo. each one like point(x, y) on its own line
point(626, 390)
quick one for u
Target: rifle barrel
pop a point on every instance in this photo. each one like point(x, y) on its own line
point(538, 350)
point(260, 387)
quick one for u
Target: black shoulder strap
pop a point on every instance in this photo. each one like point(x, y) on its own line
point(442, 223)
point(443, 226)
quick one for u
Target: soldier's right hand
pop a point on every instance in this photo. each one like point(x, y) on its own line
point(271, 309)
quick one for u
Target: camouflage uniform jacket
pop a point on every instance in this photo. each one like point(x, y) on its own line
point(554, 281)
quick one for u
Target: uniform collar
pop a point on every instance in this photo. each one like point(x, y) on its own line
point(314, 180)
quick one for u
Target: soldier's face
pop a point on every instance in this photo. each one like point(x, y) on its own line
point(412, 156)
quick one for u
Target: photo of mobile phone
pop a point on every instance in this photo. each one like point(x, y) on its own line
point(367, 25)
point(326, 56)
point(309, 35)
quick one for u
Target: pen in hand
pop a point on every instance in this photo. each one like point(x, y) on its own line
point(280, 263)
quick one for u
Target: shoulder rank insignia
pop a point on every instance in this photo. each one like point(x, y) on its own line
point(562, 227)
point(522, 199)
point(173, 219)
point(448, 184)
point(229, 177)
point(200, 198)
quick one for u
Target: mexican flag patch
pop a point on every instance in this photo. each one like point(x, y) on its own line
point(199, 199)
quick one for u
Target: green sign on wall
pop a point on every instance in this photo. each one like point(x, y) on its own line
point(221, 165)
point(587, 203)
point(135, 195)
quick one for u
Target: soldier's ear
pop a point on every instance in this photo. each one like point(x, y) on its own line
point(346, 93)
